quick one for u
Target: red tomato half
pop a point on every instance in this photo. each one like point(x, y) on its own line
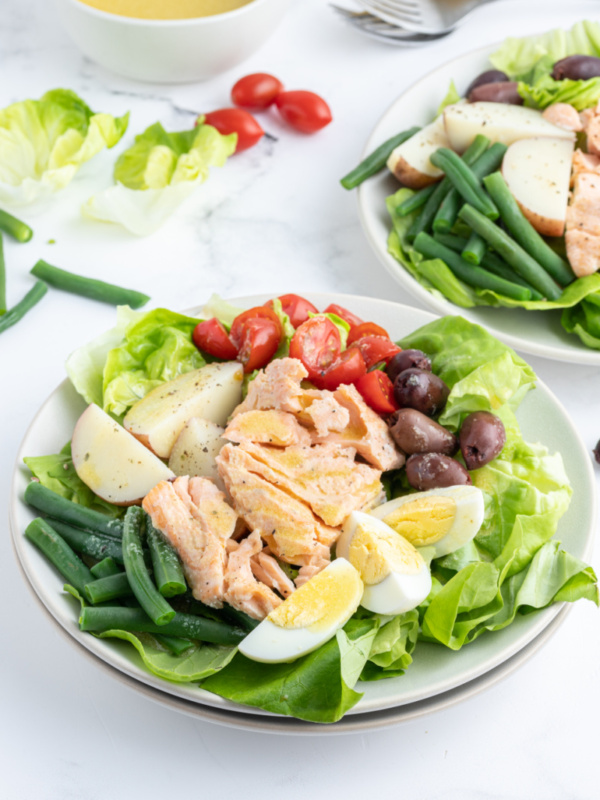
point(344, 314)
point(296, 307)
point(317, 344)
point(212, 337)
point(347, 368)
point(258, 90)
point(375, 349)
point(377, 391)
point(305, 111)
point(258, 312)
point(236, 120)
point(366, 329)
point(259, 342)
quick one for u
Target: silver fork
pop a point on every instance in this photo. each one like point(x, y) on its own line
point(431, 17)
point(383, 31)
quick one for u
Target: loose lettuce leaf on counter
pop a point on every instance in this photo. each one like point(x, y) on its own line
point(44, 142)
point(157, 173)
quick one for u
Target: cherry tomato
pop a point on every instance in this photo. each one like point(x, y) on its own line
point(259, 342)
point(305, 111)
point(296, 307)
point(211, 336)
point(347, 368)
point(366, 329)
point(258, 312)
point(377, 391)
point(236, 120)
point(375, 349)
point(257, 91)
point(344, 314)
point(317, 344)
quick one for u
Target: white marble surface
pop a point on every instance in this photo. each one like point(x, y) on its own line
point(278, 222)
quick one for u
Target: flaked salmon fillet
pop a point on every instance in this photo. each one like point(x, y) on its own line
point(317, 563)
point(323, 412)
point(267, 426)
point(277, 386)
point(583, 162)
point(583, 252)
point(208, 505)
point(582, 237)
point(242, 590)
point(266, 569)
point(563, 115)
point(592, 132)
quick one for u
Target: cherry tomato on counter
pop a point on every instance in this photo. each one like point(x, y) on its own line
point(317, 344)
point(375, 349)
point(259, 341)
point(348, 367)
point(296, 307)
point(366, 329)
point(257, 91)
point(236, 120)
point(258, 312)
point(305, 111)
point(211, 337)
point(344, 314)
point(377, 391)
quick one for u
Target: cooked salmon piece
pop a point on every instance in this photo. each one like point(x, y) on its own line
point(242, 590)
point(324, 413)
point(583, 252)
point(269, 426)
point(266, 569)
point(208, 505)
point(592, 132)
point(563, 115)
point(276, 386)
point(584, 162)
point(317, 563)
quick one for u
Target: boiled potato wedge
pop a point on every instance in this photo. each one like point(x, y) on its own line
point(111, 461)
point(410, 161)
point(196, 449)
point(211, 392)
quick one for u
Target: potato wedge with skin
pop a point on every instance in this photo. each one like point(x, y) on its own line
point(196, 449)
point(410, 161)
point(111, 461)
point(211, 392)
point(500, 122)
point(537, 172)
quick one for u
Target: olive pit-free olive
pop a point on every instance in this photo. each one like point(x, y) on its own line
point(424, 391)
point(413, 432)
point(504, 92)
point(482, 437)
point(484, 78)
point(407, 359)
point(576, 68)
point(426, 471)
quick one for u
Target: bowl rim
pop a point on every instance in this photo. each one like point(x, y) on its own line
point(156, 23)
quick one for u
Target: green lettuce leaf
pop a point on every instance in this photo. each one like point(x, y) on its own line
point(583, 320)
point(391, 650)
point(157, 173)
point(545, 91)
point(44, 142)
point(223, 310)
point(452, 96)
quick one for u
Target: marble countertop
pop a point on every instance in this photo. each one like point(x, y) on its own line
point(274, 220)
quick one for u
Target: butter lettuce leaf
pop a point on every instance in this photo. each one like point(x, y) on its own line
point(394, 642)
point(157, 173)
point(545, 91)
point(44, 142)
point(583, 320)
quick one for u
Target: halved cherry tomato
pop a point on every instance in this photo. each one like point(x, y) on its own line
point(236, 120)
point(258, 90)
point(347, 368)
point(305, 111)
point(366, 329)
point(259, 342)
point(258, 312)
point(317, 344)
point(342, 312)
point(377, 391)
point(211, 337)
point(375, 349)
point(296, 307)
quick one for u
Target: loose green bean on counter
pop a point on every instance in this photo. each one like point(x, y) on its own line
point(32, 298)
point(88, 287)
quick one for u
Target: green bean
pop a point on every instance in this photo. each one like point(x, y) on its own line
point(416, 200)
point(147, 595)
point(89, 543)
point(464, 181)
point(88, 287)
point(468, 273)
point(475, 249)
point(525, 234)
point(136, 620)
point(375, 162)
point(108, 566)
point(54, 505)
point(227, 614)
point(109, 588)
point(168, 572)
point(2, 278)
point(494, 264)
point(511, 252)
point(58, 552)
point(32, 298)
point(15, 227)
point(456, 243)
point(175, 644)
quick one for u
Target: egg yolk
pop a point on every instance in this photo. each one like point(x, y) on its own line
point(322, 601)
point(376, 553)
point(424, 520)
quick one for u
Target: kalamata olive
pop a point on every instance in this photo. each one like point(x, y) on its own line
point(413, 432)
point(424, 391)
point(406, 359)
point(504, 92)
point(482, 437)
point(576, 68)
point(596, 452)
point(489, 76)
point(433, 470)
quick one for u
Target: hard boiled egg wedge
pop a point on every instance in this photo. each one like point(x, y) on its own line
point(308, 618)
point(395, 575)
point(441, 520)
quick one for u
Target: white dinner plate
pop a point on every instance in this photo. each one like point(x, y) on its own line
point(435, 670)
point(537, 332)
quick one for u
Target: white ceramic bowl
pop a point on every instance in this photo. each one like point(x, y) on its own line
point(171, 51)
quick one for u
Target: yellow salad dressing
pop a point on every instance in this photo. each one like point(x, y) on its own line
point(166, 9)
